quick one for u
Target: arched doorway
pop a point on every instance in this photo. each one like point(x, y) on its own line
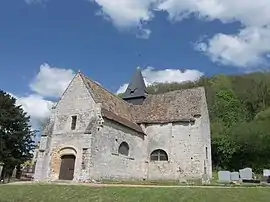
point(67, 167)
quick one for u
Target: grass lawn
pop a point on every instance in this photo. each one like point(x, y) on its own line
point(59, 193)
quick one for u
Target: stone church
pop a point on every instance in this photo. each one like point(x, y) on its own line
point(94, 134)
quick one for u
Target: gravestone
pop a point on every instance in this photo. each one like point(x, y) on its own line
point(246, 174)
point(224, 176)
point(235, 176)
point(266, 172)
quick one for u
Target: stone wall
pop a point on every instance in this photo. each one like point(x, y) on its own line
point(107, 163)
point(43, 159)
point(206, 135)
point(74, 144)
point(185, 149)
point(76, 101)
point(43, 151)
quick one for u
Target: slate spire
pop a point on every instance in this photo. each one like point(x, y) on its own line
point(136, 91)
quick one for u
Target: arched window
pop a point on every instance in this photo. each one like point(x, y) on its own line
point(123, 149)
point(159, 155)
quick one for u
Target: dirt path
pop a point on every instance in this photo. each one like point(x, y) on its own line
point(133, 185)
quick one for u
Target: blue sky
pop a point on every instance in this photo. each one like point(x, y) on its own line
point(43, 43)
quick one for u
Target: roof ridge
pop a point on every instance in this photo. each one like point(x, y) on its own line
point(103, 88)
point(123, 121)
point(180, 90)
point(84, 78)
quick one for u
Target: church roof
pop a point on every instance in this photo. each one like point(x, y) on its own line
point(174, 106)
point(112, 107)
point(136, 87)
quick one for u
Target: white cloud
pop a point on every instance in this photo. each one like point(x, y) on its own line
point(122, 88)
point(51, 81)
point(37, 107)
point(128, 14)
point(143, 33)
point(244, 49)
point(170, 75)
point(152, 76)
point(249, 13)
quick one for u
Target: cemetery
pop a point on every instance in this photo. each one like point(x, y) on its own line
point(235, 186)
point(244, 176)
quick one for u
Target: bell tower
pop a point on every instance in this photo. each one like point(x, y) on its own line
point(136, 91)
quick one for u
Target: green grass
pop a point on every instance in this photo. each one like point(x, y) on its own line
point(59, 193)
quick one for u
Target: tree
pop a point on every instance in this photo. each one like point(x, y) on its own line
point(252, 145)
point(16, 136)
point(227, 108)
point(222, 146)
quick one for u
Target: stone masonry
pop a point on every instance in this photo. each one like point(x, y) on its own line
point(104, 122)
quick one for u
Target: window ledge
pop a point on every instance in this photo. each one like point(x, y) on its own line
point(127, 157)
point(159, 161)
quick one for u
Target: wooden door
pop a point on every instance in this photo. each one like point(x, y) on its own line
point(67, 167)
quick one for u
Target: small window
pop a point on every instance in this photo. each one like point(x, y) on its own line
point(159, 155)
point(73, 122)
point(206, 152)
point(84, 154)
point(123, 149)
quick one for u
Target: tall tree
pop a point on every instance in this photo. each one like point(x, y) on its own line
point(16, 136)
point(227, 108)
point(252, 145)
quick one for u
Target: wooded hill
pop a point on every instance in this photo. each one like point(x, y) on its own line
point(239, 108)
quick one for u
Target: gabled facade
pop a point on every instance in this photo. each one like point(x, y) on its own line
point(93, 135)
